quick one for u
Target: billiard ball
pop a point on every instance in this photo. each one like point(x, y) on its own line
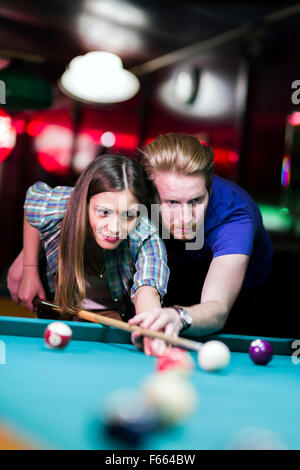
point(173, 397)
point(213, 356)
point(260, 351)
point(57, 335)
point(256, 438)
point(177, 360)
point(128, 416)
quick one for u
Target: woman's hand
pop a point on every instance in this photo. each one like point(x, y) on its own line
point(14, 277)
point(165, 320)
point(30, 287)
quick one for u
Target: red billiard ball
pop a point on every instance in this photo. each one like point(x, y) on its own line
point(57, 335)
point(260, 351)
point(177, 360)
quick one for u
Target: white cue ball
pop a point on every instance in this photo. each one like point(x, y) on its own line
point(213, 355)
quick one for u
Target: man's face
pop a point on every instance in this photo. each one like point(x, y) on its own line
point(184, 201)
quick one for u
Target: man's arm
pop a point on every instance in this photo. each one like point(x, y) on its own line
point(222, 285)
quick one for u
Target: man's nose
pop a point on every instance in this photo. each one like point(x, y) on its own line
point(186, 214)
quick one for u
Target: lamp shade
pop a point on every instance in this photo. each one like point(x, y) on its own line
point(98, 77)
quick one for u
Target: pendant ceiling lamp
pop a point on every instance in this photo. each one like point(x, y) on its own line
point(98, 77)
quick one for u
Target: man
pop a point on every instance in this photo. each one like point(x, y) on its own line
point(218, 249)
point(235, 257)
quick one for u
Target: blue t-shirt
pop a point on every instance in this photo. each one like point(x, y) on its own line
point(233, 225)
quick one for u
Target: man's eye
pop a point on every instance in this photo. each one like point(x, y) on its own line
point(172, 203)
point(197, 200)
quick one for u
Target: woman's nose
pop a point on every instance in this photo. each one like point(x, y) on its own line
point(114, 226)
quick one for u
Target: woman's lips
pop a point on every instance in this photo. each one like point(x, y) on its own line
point(110, 239)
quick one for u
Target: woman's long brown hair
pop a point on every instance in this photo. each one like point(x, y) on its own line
point(78, 250)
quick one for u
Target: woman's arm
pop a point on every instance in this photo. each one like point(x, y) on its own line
point(31, 245)
point(44, 209)
point(147, 299)
point(150, 284)
point(14, 277)
point(31, 285)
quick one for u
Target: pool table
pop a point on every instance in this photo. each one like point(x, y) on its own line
point(55, 399)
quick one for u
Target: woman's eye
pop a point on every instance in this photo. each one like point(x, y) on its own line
point(103, 212)
point(132, 214)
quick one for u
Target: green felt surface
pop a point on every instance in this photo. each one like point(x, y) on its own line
point(58, 398)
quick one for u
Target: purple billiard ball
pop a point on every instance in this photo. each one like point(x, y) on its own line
point(260, 351)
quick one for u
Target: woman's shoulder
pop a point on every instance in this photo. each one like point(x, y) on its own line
point(144, 239)
point(44, 206)
point(143, 230)
point(43, 189)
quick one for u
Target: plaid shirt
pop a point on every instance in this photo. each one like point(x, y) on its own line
point(140, 260)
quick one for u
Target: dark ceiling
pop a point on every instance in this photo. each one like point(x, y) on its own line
point(51, 32)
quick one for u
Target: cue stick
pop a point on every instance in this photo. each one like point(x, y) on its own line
point(121, 325)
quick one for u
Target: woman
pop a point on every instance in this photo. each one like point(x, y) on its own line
point(102, 253)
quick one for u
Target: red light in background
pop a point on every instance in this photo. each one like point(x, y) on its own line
point(294, 119)
point(233, 157)
point(4, 63)
point(94, 134)
point(19, 125)
point(126, 141)
point(123, 141)
point(225, 156)
point(50, 163)
point(86, 148)
point(7, 135)
point(54, 147)
point(35, 127)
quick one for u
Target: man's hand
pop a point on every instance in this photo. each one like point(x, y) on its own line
point(165, 320)
point(30, 287)
point(14, 277)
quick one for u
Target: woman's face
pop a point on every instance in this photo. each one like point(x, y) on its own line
point(112, 216)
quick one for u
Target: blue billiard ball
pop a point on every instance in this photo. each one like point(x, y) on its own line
point(132, 431)
point(129, 418)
